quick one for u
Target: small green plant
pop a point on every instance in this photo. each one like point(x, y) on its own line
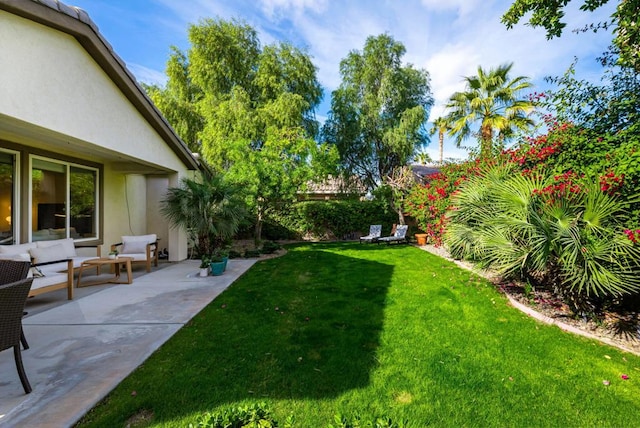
point(204, 262)
point(251, 253)
point(529, 291)
point(218, 255)
point(249, 416)
point(340, 421)
point(270, 247)
point(233, 254)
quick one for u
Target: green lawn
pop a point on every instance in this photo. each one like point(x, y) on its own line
point(376, 330)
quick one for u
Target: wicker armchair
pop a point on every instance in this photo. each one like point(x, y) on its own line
point(13, 296)
point(12, 271)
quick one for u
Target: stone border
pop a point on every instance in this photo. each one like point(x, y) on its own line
point(441, 252)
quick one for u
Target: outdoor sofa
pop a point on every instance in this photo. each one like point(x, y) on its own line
point(53, 263)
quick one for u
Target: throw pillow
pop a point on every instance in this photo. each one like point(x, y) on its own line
point(134, 247)
point(48, 254)
point(137, 244)
point(67, 244)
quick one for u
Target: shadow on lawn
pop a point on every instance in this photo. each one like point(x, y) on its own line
point(306, 325)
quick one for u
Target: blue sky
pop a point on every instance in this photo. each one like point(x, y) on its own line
point(448, 38)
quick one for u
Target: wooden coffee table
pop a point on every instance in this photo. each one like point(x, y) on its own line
point(116, 263)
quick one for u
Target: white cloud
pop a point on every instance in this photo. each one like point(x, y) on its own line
point(147, 75)
point(464, 7)
point(275, 7)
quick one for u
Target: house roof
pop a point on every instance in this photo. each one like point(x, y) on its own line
point(77, 23)
point(335, 186)
point(422, 172)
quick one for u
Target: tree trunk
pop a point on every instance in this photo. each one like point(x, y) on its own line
point(486, 136)
point(400, 215)
point(258, 229)
point(441, 141)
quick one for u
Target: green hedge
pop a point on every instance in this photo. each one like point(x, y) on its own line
point(328, 220)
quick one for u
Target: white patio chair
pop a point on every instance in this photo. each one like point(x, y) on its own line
point(141, 248)
point(375, 231)
point(398, 236)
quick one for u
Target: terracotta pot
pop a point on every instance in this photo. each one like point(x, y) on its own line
point(421, 238)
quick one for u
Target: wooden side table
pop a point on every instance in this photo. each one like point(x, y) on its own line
point(116, 263)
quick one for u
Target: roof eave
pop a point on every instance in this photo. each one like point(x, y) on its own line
point(77, 23)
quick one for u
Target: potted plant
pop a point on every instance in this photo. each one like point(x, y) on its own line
point(204, 266)
point(217, 263)
point(224, 255)
point(113, 254)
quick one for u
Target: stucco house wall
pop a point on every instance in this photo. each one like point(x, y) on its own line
point(64, 95)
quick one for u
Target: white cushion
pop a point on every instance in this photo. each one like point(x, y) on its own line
point(136, 256)
point(137, 244)
point(48, 254)
point(67, 243)
point(17, 249)
point(49, 279)
point(19, 257)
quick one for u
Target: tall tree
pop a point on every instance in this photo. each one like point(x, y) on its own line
point(492, 100)
point(441, 126)
point(248, 109)
point(379, 110)
point(549, 15)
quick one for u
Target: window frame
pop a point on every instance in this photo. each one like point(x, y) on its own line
point(15, 200)
point(67, 166)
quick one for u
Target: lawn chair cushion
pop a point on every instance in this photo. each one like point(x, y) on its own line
point(48, 254)
point(137, 244)
point(69, 248)
point(17, 248)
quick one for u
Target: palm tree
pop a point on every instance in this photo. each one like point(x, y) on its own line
point(491, 99)
point(423, 158)
point(211, 210)
point(440, 125)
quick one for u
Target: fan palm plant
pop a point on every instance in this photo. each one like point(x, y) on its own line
point(533, 228)
point(210, 210)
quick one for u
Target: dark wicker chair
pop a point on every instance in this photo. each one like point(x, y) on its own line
point(12, 298)
point(12, 271)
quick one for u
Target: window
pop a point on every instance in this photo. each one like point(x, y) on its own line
point(63, 200)
point(8, 223)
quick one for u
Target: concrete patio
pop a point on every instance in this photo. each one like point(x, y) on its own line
point(81, 349)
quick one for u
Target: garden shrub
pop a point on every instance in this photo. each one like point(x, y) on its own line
point(613, 160)
point(428, 203)
point(552, 231)
point(337, 219)
point(270, 247)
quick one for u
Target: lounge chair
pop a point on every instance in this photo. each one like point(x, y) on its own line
point(375, 231)
point(398, 236)
point(13, 296)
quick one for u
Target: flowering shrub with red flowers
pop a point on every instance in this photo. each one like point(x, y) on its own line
point(633, 235)
point(428, 203)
